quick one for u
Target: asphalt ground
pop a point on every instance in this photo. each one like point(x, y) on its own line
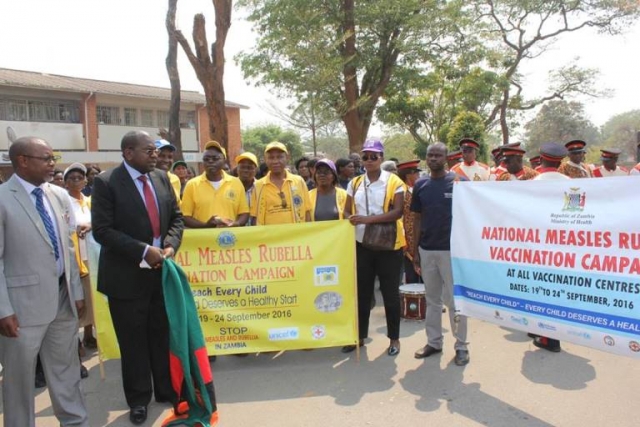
point(508, 383)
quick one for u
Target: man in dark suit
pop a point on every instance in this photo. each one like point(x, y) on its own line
point(40, 290)
point(137, 221)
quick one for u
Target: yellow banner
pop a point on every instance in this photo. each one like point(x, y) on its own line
point(105, 335)
point(277, 287)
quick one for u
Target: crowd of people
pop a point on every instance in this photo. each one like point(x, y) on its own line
point(138, 210)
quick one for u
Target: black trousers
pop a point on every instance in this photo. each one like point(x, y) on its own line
point(142, 330)
point(386, 265)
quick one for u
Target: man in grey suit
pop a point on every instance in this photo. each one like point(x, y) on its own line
point(40, 289)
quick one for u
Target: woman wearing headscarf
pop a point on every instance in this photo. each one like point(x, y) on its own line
point(327, 200)
point(377, 197)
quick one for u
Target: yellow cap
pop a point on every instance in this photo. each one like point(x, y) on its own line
point(216, 145)
point(247, 156)
point(275, 145)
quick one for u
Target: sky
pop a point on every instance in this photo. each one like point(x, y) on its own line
point(126, 41)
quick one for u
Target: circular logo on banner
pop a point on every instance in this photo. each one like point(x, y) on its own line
point(328, 302)
point(608, 340)
point(226, 239)
point(634, 346)
point(318, 332)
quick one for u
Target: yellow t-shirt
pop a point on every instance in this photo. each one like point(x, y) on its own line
point(175, 183)
point(201, 200)
point(270, 205)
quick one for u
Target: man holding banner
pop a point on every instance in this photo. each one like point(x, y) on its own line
point(432, 201)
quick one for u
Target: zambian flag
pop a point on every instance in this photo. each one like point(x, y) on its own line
point(191, 375)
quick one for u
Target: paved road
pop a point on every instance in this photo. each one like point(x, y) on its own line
point(509, 383)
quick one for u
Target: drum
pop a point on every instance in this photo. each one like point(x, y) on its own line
point(413, 305)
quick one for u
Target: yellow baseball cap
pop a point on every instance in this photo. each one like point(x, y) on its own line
point(247, 156)
point(275, 145)
point(217, 146)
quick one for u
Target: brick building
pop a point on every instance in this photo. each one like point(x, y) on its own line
point(84, 120)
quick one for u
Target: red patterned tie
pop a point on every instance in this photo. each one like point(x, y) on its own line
point(152, 209)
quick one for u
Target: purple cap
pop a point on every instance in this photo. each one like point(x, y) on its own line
point(373, 145)
point(328, 163)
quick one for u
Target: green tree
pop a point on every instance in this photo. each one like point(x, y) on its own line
point(346, 51)
point(468, 125)
point(426, 105)
point(255, 139)
point(560, 121)
point(525, 29)
point(621, 131)
point(308, 115)
point(333, 147)
point(401, 146)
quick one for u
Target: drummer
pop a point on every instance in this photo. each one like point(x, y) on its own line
point(432, 201)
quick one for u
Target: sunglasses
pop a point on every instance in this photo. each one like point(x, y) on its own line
point(284, 200)
point(372, 157)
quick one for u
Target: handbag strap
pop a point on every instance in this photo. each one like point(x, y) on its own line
point(366, 193)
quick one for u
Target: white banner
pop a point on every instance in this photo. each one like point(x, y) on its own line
point(557, 258)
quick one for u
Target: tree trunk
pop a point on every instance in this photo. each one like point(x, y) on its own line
point(217, 112)
point(503, 116)
point(209, 68)
point(351, 117)
point(174, 136)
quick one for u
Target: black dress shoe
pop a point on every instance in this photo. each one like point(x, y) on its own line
point(350, 348)
point(138, 415)
point(83, 372)
point(462, 357)
point(426, 351)
point(393, 350)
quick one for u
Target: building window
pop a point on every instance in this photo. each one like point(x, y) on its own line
point(163, 119)
point(108, 115)
point(147, 118)
point(13, 110)
point(130, 117)
point(35, 110)
point(188, 119)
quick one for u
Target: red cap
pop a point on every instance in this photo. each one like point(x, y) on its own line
point(411, 164)
point(454, 155)
point(512, 151)
point(468, 142)
point(575, 145)
point(610, 153)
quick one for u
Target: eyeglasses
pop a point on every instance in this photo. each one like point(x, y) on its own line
point(372, 157)
point(47, 159)
point(284, 200)
point(150, 151)
point(207, 159)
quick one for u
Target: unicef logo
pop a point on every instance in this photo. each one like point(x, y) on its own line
point(297, 201)
point(226, 239)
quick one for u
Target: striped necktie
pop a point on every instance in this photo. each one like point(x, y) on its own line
point(46, 219)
